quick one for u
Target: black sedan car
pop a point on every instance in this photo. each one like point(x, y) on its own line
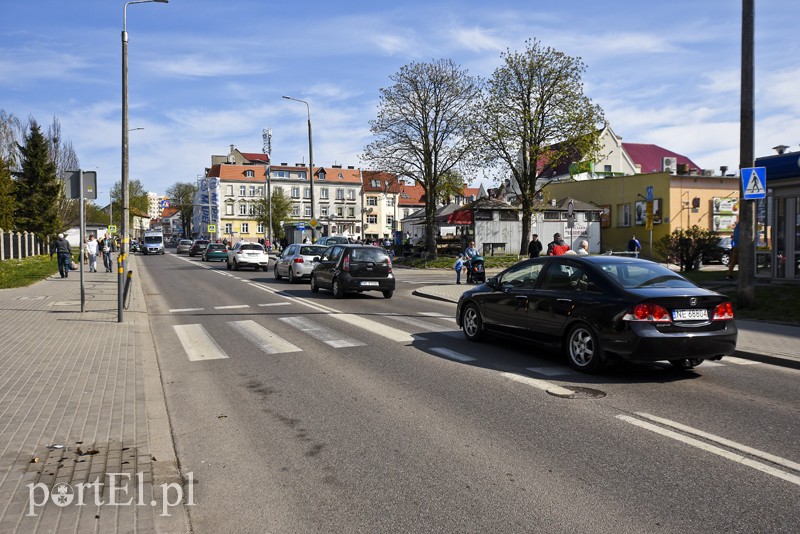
point(598, 308)
point(721, 253)
point(353, 268)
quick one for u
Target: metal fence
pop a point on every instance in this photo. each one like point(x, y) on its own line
point(18, 245)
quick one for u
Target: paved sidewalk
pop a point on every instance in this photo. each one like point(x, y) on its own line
point(81, 398)
point(768, 342)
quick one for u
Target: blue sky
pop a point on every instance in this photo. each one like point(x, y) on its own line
point(205, 74)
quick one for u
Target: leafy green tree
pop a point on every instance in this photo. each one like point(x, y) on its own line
point(451, 185)
point(181, 195)
point(534, 116)
point(281, 208)
point(686, 247)
point(424, 129)
point(37, 187)
point(7, 200)
point(137, 198)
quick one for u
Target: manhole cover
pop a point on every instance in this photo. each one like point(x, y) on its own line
point(579, 393)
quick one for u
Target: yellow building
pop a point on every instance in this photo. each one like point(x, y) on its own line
point(679, 202)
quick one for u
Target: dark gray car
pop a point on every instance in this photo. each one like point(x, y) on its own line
point(358, 268)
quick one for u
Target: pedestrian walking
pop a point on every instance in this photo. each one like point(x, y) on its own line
point(535, 247)
point(459, 266)
point(583, 248)
point(634, 246)
point(63, 252)
point(104, 245)
point(85, 253)
point(557, 246)
point(91, 252)
point(734, 261)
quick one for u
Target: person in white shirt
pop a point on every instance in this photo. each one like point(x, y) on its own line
point(583, 248)
point(91, 251)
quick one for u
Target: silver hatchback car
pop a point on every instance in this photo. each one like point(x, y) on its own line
point(297, 261)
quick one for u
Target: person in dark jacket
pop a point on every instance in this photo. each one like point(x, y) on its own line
point(535, 247)
point(557, 246)
point(63, 252)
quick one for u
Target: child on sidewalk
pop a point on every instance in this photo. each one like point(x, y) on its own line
point(459, 266)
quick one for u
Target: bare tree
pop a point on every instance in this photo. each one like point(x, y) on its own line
point(423, 128)
point(181, 195)
point(11, 133)
point(534, 117)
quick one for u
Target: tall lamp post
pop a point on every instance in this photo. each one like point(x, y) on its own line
point(122, 259)
point(310, 158)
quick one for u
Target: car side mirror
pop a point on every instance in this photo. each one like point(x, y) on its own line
point(493, 282)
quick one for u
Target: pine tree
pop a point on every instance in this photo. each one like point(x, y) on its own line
point(37, 187)
point(7, 200)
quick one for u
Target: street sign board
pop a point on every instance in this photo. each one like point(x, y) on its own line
point(112, 228)
point(72, 184)
point(650, 193)
point(301, 226)
point(313, 223)
point(754, 182)
point(212, 227)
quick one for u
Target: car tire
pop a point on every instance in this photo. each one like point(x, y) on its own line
point(388, 294)
point(686, 363)
point(472, 323)
point(291, 277)
point(725, 259)
point(583, 349)
point(235, 265)
point(277, 274)
point(265, 268)
point(228, 264)
point(314, 286)
point(337, 288)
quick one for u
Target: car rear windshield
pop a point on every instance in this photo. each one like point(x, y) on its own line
point(215, 246)
point(312, 251)
point(643, 274)
point(185, 242)
point(251, 247)
point(373, 254)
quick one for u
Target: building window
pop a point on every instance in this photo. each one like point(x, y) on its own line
point(242, 209)
point(323, 211)
point(372, 219)
point(390, 221)
point(252, 190)
point(340, 194)
point(295, 192)
point(405, 212)
point(295, 211)
point(260, 228)
point(242, 190)
point(339, 211)
point(251, 209)
point(351, 194)
point(606, 168)
point(229, 191)
point(245, 228)
point(249, 173)
point(351, 212)
point(307, 211)
point(552, 215)
point(277, 190)
point(301, 175)
point(624, 211)
point(228, 228)
point(229, 209)
point(372, 201)
point(306, 192)
point(390, 202)
point(323, 193)
point(260, 191)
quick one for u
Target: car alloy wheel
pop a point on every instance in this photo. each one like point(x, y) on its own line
point(686, 363)
point(277, 274)
point(583, 349)
point(291, 276)
point(338, 290)
point(472, 323)
point(314, 286)
point(725, 259)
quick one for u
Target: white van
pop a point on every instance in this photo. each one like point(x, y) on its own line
point(153, 242)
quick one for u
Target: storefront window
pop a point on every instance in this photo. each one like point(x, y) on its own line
point(763, 237)
point(780, 237)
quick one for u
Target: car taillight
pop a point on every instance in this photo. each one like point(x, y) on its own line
point(648, 312)
point(298, 260)
point(723, 312)
point(346, 265)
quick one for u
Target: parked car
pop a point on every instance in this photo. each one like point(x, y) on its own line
point(719, 254)
point(598, 308)
point(198, 246)
point(354, 268)
point(245, 254)
point(297, 261)
point(184, 246)
point(135, 247)
point(215, 252)
point(332, 240)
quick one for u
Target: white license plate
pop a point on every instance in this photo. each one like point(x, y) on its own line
point(370, 283)
point(690, 315)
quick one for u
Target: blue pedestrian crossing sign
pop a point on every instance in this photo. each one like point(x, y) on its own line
point(754, 182)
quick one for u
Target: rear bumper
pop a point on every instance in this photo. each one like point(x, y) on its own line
point(368, 284)
point(643, 342)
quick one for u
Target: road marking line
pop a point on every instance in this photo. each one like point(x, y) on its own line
point(375, 327)
point(197, 343)
point(178, 310)
point(453, 355)
point(739, 361)
point(722, 441)
point(549, 371)
point(544, 385)
point(232, 307)
point(322, 333)
point(426, 326)
point(263, 338)
point(713, 449)
point(275, 304)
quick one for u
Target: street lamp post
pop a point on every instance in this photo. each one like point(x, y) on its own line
point(122, 259)
point(310, 158)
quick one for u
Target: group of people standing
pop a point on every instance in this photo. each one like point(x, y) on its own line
point(556, 247)
point(92, 249)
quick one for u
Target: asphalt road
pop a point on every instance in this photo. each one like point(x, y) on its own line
point(298, 412)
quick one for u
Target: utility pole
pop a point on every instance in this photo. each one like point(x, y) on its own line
point(746, 292)
point(266, 136)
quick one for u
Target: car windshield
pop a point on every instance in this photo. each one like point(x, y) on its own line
point(152, 239)
point(373, 254)
point(312, 250)
point(643, 274)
